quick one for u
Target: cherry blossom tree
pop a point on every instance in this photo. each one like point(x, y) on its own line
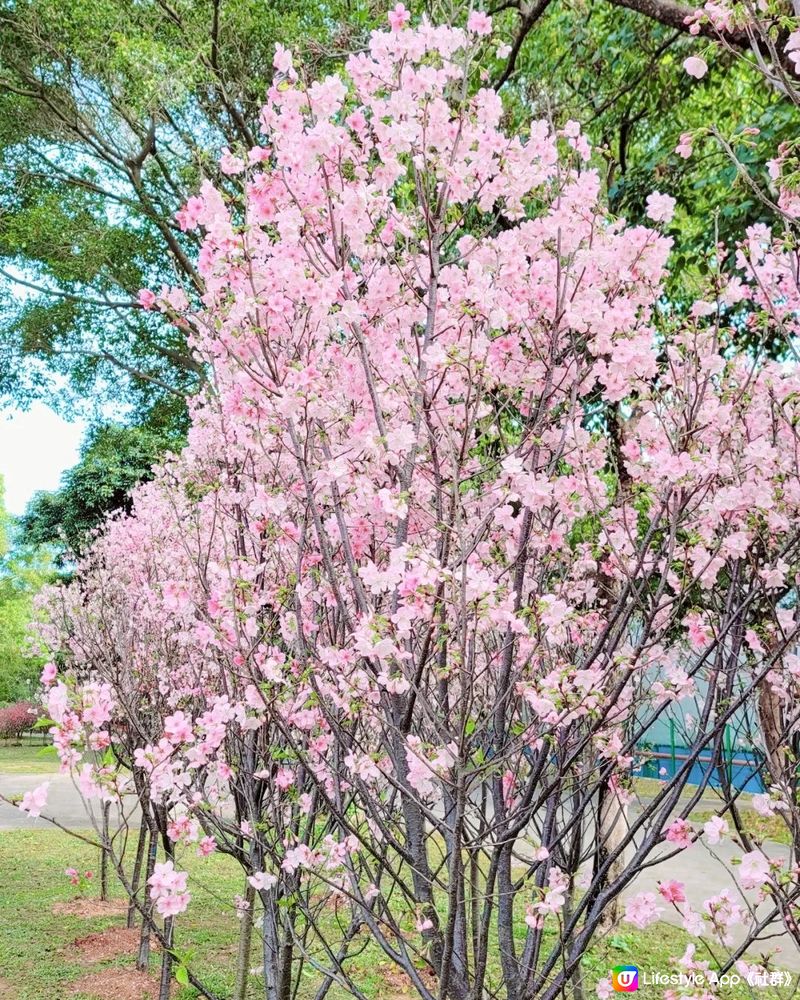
point(468, 508)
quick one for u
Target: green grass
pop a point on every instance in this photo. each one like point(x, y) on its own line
point(37, 957)
point(648, 788)
point(27, 758)
point(35, 946)
point(758, 827)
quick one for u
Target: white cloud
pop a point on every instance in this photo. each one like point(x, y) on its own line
point(36, 446)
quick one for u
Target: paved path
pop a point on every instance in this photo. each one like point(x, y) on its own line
point(702, 872)
point(703, 875)
point(64, 803)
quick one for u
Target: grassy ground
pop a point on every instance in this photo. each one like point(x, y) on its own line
point(38, 955)
point(758, 827)
point(648, 788)
point(28, 757)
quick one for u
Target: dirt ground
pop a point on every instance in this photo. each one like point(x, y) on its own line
point(117, 984)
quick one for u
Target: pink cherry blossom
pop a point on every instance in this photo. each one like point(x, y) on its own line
point(680, 833)
point(261, 881)
point(660, 207)
point(230, 164)
point(282, 61)
point(168, 889)
point(399, 17)
point(695, 66)
point(642, 910)
point(672, 891)
point(178, 728)
point(603, 989)
point(49, 674)
point(715, 829)
point(173, 904)
point(34, 801)
point(754, 869)
point(206, 846)
point(684, 148)
point(479, 22)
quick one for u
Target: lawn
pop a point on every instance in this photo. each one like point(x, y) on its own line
point(39, 955)
point(758, 827)
point(28, 757)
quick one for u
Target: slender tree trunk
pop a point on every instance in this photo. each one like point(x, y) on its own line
point(143, 958)
point(137, 873)
point(104, 853)
point(576, 978)
point(270, 945)
point(166, 960)
point(245, 939)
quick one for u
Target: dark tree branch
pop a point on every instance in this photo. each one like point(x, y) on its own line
point(529, 15)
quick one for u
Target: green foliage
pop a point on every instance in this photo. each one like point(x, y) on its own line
point(111, 113)
point(114, 458)
point(621, 75)
point(22, 573)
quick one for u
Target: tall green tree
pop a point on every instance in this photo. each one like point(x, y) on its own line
point(111, 112)
point(114, 458)
point(22, 573)
point(620, 73)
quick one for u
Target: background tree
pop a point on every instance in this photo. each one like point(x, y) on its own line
point(107, 111)
point(22, 573)
point(113, 459)
point(621, 75)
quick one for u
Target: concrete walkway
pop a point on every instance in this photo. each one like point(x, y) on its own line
point(64, 803)
point(704, 874)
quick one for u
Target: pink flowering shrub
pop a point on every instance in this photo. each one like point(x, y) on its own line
point(17, 719)
point(463, 516)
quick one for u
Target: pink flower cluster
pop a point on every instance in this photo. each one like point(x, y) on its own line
point(168, 889)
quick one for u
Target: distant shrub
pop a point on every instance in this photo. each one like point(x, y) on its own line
point(17, 719)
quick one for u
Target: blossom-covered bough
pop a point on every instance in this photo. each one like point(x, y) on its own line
point(468, 509)
point(767, 36)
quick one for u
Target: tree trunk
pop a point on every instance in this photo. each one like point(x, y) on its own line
point(137, 874)
point(245, 938)
point(166, 960)
point(143, 958)
point(104, 853)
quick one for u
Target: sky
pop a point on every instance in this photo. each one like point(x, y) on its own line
point(36, 446)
